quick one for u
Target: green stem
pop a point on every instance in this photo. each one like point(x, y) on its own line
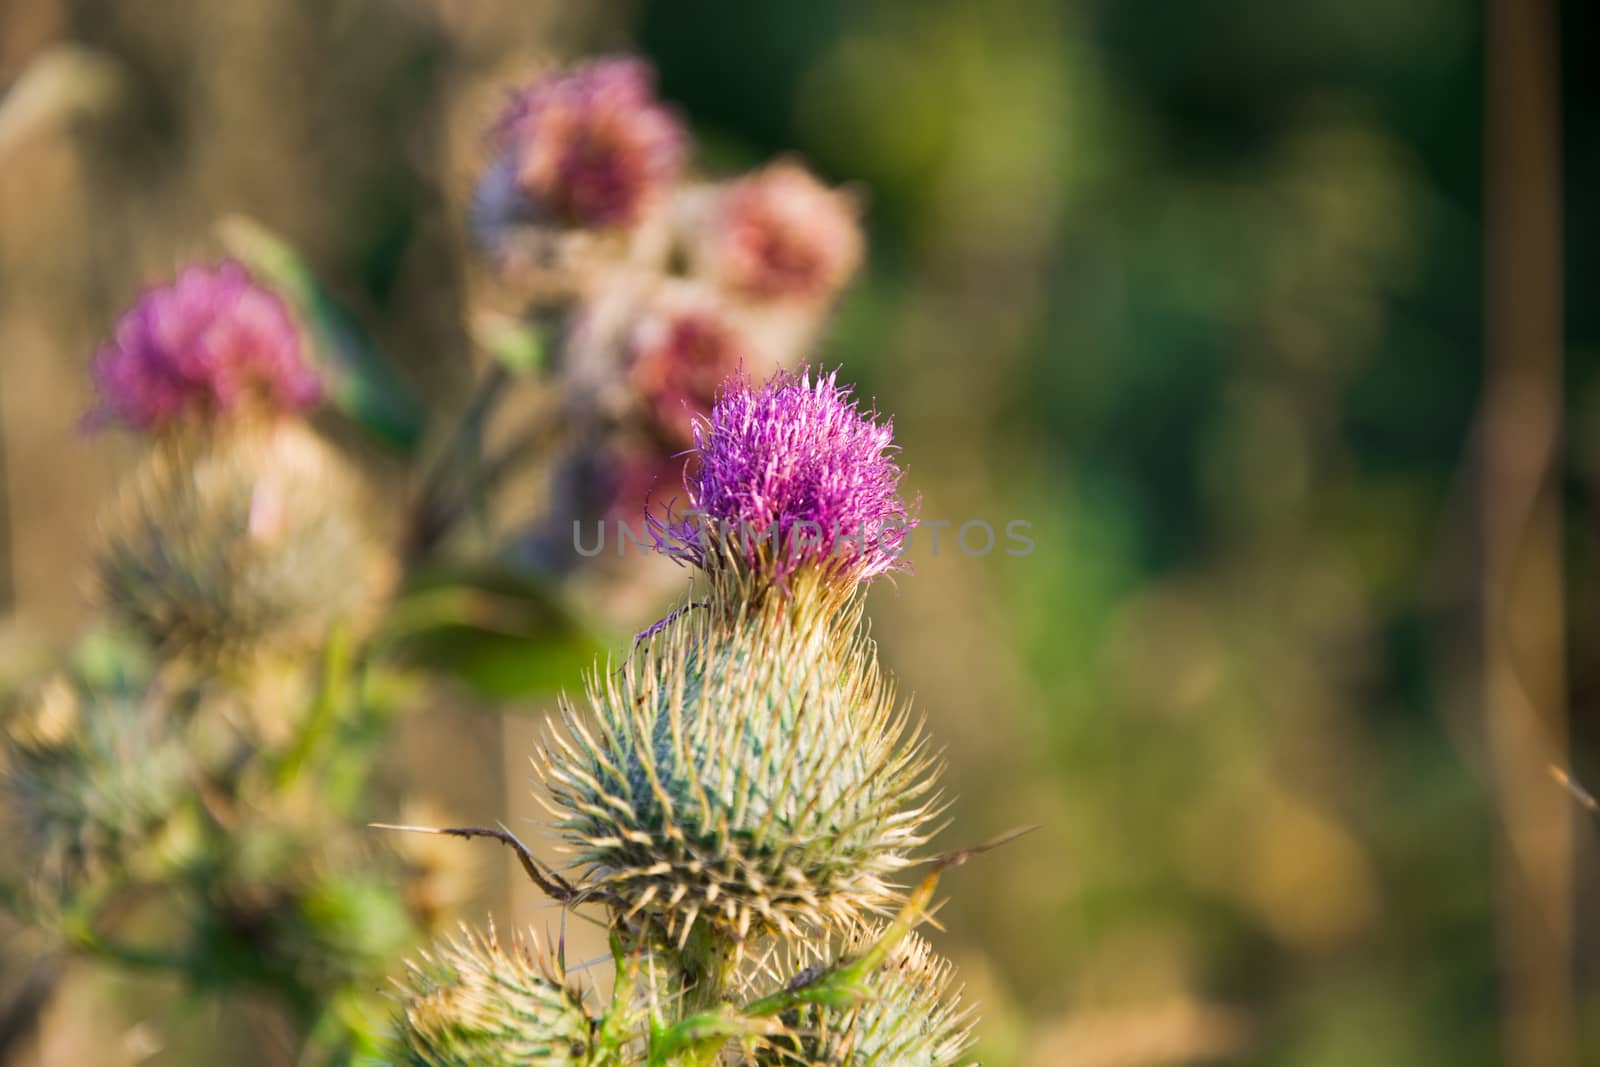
point(705, 963)
point(431, 520)
point(702, 1020)
point(323, 715)
point(133, 957)
point(77, 923)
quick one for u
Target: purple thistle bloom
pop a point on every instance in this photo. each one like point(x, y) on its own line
point(789, 474)
point(592, 146)
point(208, 344)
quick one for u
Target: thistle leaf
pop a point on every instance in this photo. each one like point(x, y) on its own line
point(500, 634)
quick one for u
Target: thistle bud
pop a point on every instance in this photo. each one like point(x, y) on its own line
point(92, 777)
point(590, 148)
point(223, 541)
point(752, 773)
point(908, 1017)
point(210, 344)
point(788, 477)
point(477, 1004)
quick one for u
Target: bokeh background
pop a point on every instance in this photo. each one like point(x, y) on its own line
point(1203, 291)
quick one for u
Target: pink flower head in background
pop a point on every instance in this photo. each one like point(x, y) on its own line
point(782, 235)
point(593, 146)
point(208, 344)
point(628, 475)
point(678, 357)
point(789, 474)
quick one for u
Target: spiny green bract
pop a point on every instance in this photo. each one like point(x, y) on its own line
point(908, 1017)
point(476, 1003)
point(236, 540)
point(747, 766)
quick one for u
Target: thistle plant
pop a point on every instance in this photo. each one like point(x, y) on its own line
point(184, 806)
point(239, 527)
point(744, 788)
point(647, 283)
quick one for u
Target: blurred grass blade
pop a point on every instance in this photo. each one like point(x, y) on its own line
point(360, 382)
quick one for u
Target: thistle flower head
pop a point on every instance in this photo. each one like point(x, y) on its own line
point(909, 1018)
point(782, 235)
point(592, 147)
point(753, 774)
point(476, 1003)
point(209, 344)
point(238, 540)
point(791, 475)
point(679, 353)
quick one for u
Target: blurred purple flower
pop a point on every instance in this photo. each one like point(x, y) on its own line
point(630, 474)
point(782, 235)
point(789, 474)
point(679, 355)
point(208, 344)
point(592, 146)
